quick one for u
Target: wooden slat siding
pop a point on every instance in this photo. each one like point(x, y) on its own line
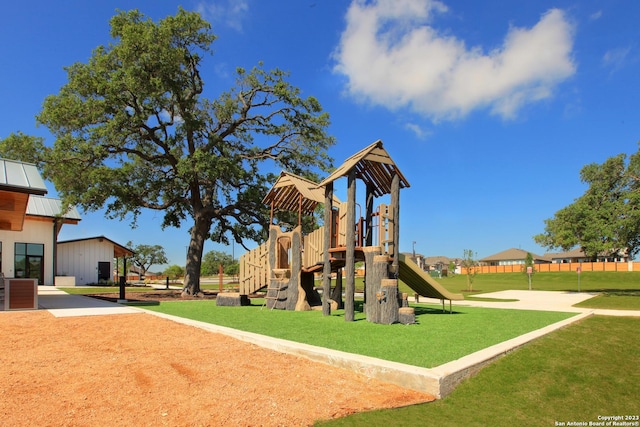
point(254, 269)
point(342, 225)
point(22, 294)
point(313, 248)
point(555, 267)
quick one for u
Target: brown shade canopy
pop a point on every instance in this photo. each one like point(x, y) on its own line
point(374, 166)
point(295, 194)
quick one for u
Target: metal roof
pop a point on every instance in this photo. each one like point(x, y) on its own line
point(294, 193)
point(118, 249)
point(374, 166)
point(45, 206)
point(21, 177)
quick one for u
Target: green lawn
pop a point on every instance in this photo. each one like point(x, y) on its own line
point(436, 339)
point(590, 281)
point(572, 375)
point(614, 300)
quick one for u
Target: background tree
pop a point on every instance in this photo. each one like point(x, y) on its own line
point(147, 255)
point(174, 272)
point(452, 268)
point(470, 264)
point(134, 130)
point(605, 220)
point(232, 269)
point(529, 262)
point(211, 262)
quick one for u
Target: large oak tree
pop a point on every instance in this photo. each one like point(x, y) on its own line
point(133, 130)
point(605, 220)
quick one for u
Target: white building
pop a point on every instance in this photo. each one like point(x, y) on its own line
point(29, 223)
point(89, 260)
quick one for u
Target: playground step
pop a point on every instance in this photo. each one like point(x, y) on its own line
point(274, 298)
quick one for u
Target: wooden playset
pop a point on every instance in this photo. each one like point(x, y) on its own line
point(286, 265)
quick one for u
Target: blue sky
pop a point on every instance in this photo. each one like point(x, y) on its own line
point(490, 109)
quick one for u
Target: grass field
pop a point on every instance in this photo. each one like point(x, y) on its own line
point(591, 281)
point(436, 339)
point(571, 375)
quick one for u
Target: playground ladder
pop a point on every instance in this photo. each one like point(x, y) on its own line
point(276, 298)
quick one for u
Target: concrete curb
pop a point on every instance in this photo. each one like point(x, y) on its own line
point(438, 382)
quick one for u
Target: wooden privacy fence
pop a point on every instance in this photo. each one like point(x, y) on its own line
point(554, 267)
point(254, 269)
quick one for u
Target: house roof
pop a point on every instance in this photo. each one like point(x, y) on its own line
point(579, 253)
point(293, 193)
point(118, 249)
point(48, 207)
point(21, 177)
point(574, 253)
point(374, 166)
point(512, 255)
point(18, 180)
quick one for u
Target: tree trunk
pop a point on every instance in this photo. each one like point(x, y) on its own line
point(199, 233)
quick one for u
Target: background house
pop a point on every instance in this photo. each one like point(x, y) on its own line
point(512, 257)
point(578, 255)
point(90, 260)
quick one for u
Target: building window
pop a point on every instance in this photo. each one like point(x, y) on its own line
point(29, 261)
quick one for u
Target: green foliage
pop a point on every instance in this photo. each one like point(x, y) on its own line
point(24, 148)
point(232, 269)
point(147, 255)
point(470, 264)
point(211, 262)
point(528, 262)
point(174, 272)
point(135, 131)
point(606, 218)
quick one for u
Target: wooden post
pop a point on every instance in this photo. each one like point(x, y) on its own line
point(376, 273)
point(395, 208)
point(350, 259)
point(326, 271)
point(294, 289)
point(337, 290)
point(220, 277)
point(389, 301)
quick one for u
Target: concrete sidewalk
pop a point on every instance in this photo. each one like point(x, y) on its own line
point(543, 301)
point(61, 304)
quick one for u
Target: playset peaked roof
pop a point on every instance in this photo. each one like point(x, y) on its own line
point(374, 166)
point(294, 193)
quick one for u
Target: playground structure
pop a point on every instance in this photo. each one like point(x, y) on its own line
point(287, 263)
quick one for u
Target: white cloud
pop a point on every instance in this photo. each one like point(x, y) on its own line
point(595, 15)
point(418, 130)
point(229, 13)
point(615, 59)
point(391, 56)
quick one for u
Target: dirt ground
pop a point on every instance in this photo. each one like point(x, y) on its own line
point(138, 369)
